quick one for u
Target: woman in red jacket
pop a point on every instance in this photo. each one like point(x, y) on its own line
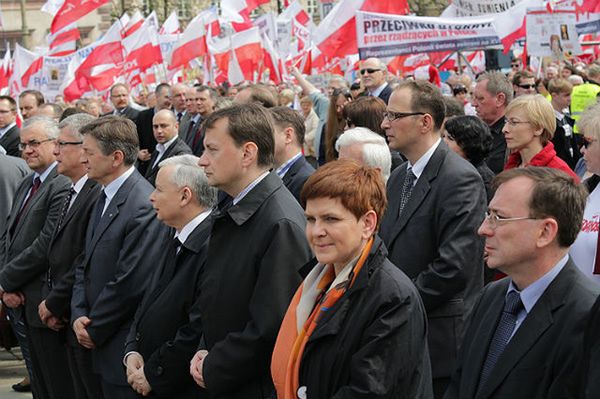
point(530, 124)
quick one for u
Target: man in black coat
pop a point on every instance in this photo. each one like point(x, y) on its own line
point(111, 277)
point(9, 131)
point(67, 369)
point(206, 99)
point(166, 330)
point(256, 250)
point(436, 202)
point(565, 143)
point(373, 74)
point(24, 244)
point(290, 165)
point(119, 96)
point(168, 142)
point(525, 335)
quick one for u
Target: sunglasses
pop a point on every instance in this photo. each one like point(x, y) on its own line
point(370, 70)
point(514, 65)
point(531, 86)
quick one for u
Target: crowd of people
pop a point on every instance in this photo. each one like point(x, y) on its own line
point(388, 238)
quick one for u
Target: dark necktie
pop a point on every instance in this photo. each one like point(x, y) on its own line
point(34, 188)
point(179, 115)
point(197, 138)
point(171, 262)
point(98, 211)
point(189, 135)
point(407, 187)
point(504, 330)
point(65, 208)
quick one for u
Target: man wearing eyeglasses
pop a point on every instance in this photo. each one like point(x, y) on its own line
point(525, 335)
point(373, 73)
point(24, 244)
point(436, 202)
point(9, 131)
point(119, 96)
point(523, 83)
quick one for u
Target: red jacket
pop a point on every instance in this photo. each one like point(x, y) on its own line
point(546, 157)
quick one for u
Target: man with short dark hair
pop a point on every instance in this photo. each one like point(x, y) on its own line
point(523, 83)
point(256, 93)
point(119, 96)
point(290, 165)
point(206, 99)
point(111, 277)
point(29, 101)
point(436, 201)
point(9, 131)
point(256, 250)
point(524, 336)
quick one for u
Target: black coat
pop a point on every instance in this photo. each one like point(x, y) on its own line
point(497, 157)
point(166, 329)
point(385, 94)
point(10, 141)
point(255, 254)
point(565, 144)
point(590, 366)
point(373, 342)
point(179, 147)
point(540, 359)
point(297, 175)
point(145, 131)
point(128, 112)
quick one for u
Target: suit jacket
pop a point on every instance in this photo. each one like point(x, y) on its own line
point(10, 141)
point(23, 255)
point(255, 254)
point(435, 243)
point(13, 171)
point(111, 278)
point(197, 145)
point(590, 366)
point(145, 131)
point(297, 175)
point(386, 93)
point(540, 359)
point(166, 329)
point(66, 246)
point(184, 125)
point(128, 112)
point(566, 146)
point(179, 147)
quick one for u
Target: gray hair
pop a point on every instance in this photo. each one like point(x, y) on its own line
point(497, 83)
point(47, 124)
point(375, 151)
point(187, 173)
point(589, 121)
point(75, 122)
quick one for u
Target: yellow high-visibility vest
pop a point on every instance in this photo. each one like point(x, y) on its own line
point(582, 97)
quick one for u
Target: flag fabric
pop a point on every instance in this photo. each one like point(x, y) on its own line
point(192, 43)
point(271, 61)
point(237, 12)
point(27, 66)
point(132, 24)
point(246, 45)
point(73, 10)
point(64, 41)
point(142, 47)
point(171, 25)
point(510, 24)
point(52, 6)
point(5, 71)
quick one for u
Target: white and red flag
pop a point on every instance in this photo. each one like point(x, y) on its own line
point(336, 34)
point(237, 12)
point(131, 24)
point(192, 43)
point(142, 48)
point(5, 71)
point(64, 41)
point(171, 25)
point(271, 61)
point(73, 10)
point(246, 48)
point(27, 70)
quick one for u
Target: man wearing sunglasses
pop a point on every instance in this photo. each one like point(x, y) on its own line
point(523, 83)
point(373, 73)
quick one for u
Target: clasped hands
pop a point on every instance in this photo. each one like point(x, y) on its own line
point(135, 374)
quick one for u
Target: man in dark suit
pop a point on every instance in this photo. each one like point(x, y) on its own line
point(373, 74)
point(565, 143)
point(29, 102)
point(290, 165)
point(256, 250)
point(24, 244)
point(436, 202)
point(206, 99)
point(525, 336)
point(9, 131)
point(13, 171)
point(144, 125)
point(119, 96)
point(168, 142)
point(67, 370)
point(112, 275)
point(166, 330)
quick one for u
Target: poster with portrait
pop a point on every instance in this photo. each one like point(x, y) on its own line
point(552, 34)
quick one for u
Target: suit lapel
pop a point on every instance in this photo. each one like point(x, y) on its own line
point(36, 198)
point(80, 199)
point(292, 171)
point(19, 199)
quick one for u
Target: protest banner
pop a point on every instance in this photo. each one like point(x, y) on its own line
point(552, 34)
point(387, 35)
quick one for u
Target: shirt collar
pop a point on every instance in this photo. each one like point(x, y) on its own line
point(531, 294)
point(2, 150)
point(6, 128)
point(249, 187)
point(111, 188)
point(191, 226)
point(420, 165)
point(377, 91)
point(163, 147)
point(79, 185)
point(559, 115)
point(45, 174)
point(283, 169)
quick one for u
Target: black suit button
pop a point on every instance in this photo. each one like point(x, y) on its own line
point(159, 370)
point(138, 336)
point(170, 344)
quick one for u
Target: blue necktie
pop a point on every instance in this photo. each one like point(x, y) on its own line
point(504, 330)
point(98, 211)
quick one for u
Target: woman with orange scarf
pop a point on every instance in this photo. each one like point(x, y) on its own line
point(356, 326)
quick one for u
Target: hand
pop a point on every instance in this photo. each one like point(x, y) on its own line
point(13, 299)
point(139, 383)
point(134, 362)
point(55, 323)
point(144, 155)
point(44, 312)
point(79, 326)
point(294, 71)
point(196, 366)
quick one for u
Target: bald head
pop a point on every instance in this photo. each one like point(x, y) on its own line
point(164, 126)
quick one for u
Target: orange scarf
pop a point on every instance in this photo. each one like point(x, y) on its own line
point(307, 308)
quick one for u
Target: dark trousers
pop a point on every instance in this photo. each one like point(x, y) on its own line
point(50, 364)
point(112, 391)
point(85, 382)
point(17, 321)
point(439, 387)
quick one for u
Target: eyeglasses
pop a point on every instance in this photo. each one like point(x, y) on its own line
point(513, 122)
point(494, 220)
point(392, 116)
point(514, 65)
point(587, 142)
point(32, 144)
point(62, 144)
point(527, 86)
point(370, 70)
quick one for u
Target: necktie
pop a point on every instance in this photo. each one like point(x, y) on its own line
point(169, 269)
point(189, 135)
point(407, 187)
point(504, 330)
point(34, 188)
point(65, 208)
point(197, 138)
point(98, 211)
point(179, 115)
